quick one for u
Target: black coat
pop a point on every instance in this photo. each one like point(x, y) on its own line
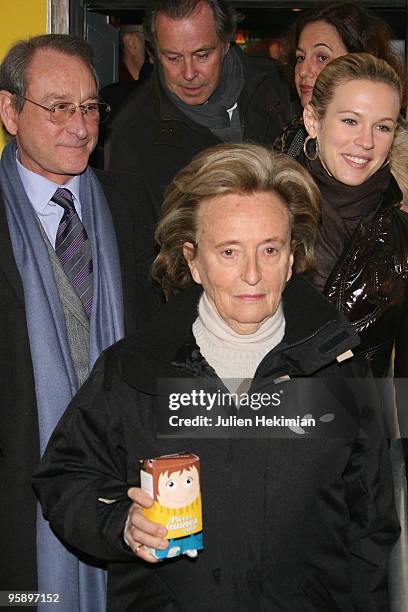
point(152, 137)
point(290, 525)
point(369, 284)
point(19, 437)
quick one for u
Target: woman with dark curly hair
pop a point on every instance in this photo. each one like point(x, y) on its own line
point(321, 35)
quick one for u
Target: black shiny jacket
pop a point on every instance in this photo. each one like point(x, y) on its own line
point(369, 285)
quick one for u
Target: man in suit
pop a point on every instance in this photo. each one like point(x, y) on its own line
point(75, 251)
point(202, 92)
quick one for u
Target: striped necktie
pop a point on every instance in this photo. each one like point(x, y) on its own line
point(73, 249)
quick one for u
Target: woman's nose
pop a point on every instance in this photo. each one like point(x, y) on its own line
point(306, 68)
point(251, 273)
point(365, 138)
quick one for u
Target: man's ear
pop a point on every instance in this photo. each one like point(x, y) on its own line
point(226, 49)
point(189, 253)
point(310, 120)
point(131, 41)
point(8, 113)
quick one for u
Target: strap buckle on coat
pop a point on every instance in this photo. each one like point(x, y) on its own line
point(343, 356)
point(281, 379)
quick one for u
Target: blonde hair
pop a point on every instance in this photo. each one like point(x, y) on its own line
point(351, 67)
point(399, 160)
point(228, 169)
point(363, 66)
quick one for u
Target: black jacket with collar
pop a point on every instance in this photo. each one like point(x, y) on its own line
point(289, 524)
point(19, 437)
point(369, 284)
point(152, 137)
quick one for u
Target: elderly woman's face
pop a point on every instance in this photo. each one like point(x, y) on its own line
point(244, 256)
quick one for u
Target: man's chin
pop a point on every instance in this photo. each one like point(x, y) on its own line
point(74, 164)
point(74, 169)
point(65, 172)
point(193, 97)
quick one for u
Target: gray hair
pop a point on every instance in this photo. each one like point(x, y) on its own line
point(13, 69)
point(130, 28)
point(228, 169)
point(399, 159)
point(226, 18)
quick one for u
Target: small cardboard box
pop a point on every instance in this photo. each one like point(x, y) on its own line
point(173, 481)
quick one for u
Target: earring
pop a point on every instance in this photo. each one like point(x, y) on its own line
point(387, 159)
point(316, 151)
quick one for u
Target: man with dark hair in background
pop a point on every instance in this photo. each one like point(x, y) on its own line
point(75, 251)
point(203, 91)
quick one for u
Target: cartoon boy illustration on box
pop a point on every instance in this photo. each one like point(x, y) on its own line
point(177, 504)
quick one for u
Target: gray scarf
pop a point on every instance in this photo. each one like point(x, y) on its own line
point(82, 588)
point(213, 114)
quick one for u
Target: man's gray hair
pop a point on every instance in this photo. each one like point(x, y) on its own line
point(225, 17)
point(13, 69)
point(130, 28)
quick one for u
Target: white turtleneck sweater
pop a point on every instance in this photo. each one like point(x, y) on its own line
point(233, 355)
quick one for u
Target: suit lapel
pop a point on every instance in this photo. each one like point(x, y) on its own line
point(7, 262)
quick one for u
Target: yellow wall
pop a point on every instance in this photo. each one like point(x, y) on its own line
point(19, 19)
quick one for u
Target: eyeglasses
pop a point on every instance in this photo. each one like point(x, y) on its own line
point(61, 112)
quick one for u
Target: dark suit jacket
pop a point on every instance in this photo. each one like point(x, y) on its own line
point(19, 437)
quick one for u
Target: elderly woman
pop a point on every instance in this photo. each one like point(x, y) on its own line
point(290, 524)
point(319, 36)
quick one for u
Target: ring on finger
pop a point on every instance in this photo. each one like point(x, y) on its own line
point(137, 547)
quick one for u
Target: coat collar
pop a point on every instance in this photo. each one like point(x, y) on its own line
point(316, 334)
point(168, 130)
point(392, 197)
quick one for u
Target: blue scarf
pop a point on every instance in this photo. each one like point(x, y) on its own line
point(82, 587)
